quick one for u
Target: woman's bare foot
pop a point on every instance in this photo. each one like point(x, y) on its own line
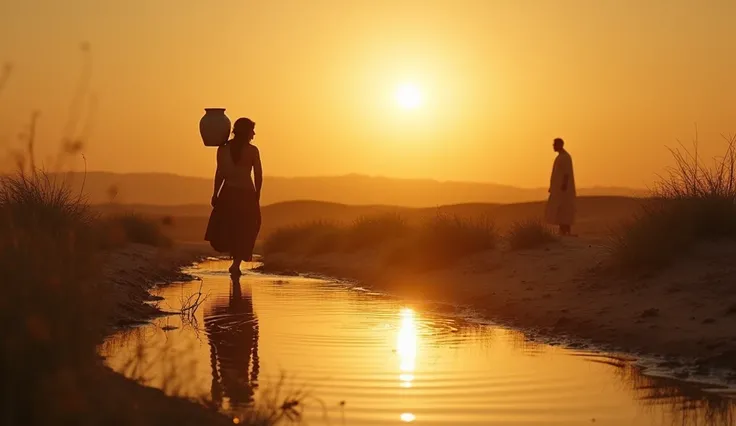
point(235, 267)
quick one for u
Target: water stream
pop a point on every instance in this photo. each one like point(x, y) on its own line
point(355, 357)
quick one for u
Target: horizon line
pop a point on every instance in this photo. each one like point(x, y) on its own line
point(336, 176)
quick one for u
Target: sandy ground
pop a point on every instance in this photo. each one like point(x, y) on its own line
point(687, 311)
point(132, 271)
point(188, 223)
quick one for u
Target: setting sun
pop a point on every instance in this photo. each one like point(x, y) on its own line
point(408, 96)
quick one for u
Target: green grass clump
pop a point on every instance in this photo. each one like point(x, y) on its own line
point(529, 234)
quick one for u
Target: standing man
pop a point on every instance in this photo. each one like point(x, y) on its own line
point(561, 205)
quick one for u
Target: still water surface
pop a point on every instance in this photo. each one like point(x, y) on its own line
point(363, 358)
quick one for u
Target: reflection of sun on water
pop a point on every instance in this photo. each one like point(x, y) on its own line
point(408, 417)
point(406, 380)
point(406, 343)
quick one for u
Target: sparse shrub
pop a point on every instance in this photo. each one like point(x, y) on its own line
point(666, 229)
point(324, 237)
point(436, 242)
point(54, 307)
point(453, 237)
point(307, 238)
point(442, 240)
point(41, 202)
point(50, 296)
point(281, 240)
point(55, 310)
point(692, 203)
point(372, 231)
point(119, 229)
point(529, 234)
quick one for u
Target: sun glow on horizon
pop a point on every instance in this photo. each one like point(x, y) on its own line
point(409, 96)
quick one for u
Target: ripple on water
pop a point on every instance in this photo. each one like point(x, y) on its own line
point(370, 360)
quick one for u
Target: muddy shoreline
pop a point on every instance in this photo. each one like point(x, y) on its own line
point(133, 271)
point(684, 315)
point(130, 273)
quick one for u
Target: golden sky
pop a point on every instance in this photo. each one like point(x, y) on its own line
point(497, 80)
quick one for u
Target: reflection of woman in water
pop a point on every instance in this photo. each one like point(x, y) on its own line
point(236, 215)
point(232, 330)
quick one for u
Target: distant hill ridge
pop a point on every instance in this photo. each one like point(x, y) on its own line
point(165, 189)
point(595, 214)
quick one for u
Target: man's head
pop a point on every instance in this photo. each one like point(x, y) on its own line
point(558, 144)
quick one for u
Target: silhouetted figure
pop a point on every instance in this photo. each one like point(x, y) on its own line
point(561, 204)
point(232, 330)
point(236, 215)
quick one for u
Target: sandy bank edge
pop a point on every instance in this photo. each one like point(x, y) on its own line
point(130, 273)
point(569, 298)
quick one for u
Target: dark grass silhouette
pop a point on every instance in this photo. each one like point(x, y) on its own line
point(445, 238)
point(56, 307)
point(56, 310)
point(47, 255)
point(695, 202)
point(119, 229)
point(371, 231)
point(529, 234)
point(427, 243)
point(308, 238)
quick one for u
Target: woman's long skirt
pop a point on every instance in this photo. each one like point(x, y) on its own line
point(235, 222)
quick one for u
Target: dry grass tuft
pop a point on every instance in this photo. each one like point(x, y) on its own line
point(120, 229)
point(435, 242)
point(529, 234)
point(694, 202)
point(56, 311)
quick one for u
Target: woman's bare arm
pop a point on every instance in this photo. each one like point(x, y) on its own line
point(258, 172)
point(219, 179)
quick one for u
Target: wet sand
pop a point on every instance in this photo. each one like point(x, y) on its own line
point(129, 273)
point(686, 312)
point(132, 271)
